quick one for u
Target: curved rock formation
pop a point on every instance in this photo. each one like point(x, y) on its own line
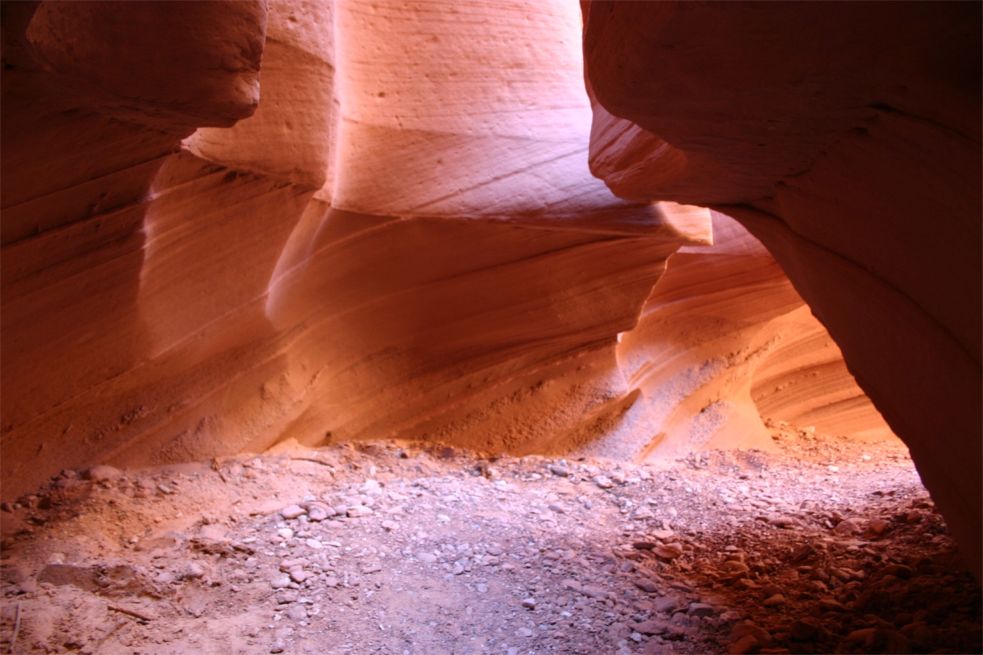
point(461, 275)
point(396, 234)
point(722, 342)
point(847, 138)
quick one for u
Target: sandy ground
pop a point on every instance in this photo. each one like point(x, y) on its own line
point(826, 545)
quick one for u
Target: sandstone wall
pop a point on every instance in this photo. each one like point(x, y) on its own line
point(846, 138)
point(317, 221)
point(324, 221)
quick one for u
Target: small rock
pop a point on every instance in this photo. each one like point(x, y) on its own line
point(559, 469)
point(103, 473)
point(358, 511)
point(529, 603)
point(847, 528)
point(194, 570)
point(652, 627)
point(319, 513)
point(700, 609)
point(299, 575)
point(286, 596)
point(280, 581)
point(774, 600)
point(292, 511)
point(389, 526)
point(288, 565)
point(603, 482)
point(285, 533)
point(668, 551)
point(877, 527)
point(595, 591)
point(523, 632)
point(665, 604)
point(646, 585)
point(297, 612)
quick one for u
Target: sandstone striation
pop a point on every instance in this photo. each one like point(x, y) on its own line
point(724, 341)
point(329, 221)
point(847, 139)
point(176, 286)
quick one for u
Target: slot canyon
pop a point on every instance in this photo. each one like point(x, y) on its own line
point(491, 326)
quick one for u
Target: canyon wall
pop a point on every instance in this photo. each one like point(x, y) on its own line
point(199, 259)
point(326, 221)
point(724, 343)
point(846, 138)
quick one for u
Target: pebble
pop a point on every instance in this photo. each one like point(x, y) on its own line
point(319, 513)
point(280, 581)
point(559, 469)
point(358, 511)
point(652, 627)
point(292, 511)
point(299, 575)
point(286, 533)
point(847, 527)
point(665, 604)
point(297, 612)
point(603, 482)
point(878, 527)
point(529, 603)
point(668, 551)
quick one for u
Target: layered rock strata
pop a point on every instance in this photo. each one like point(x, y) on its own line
point(363, 254)
point(329, 221)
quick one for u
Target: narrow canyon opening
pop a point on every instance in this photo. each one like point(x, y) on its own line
point(371, 326)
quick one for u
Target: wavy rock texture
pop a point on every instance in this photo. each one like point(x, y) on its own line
point(722, 342)
point(172, 292)
point(324, 221)
point(846, 138)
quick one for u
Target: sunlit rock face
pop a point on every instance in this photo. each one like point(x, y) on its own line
point(723, 342)
point(346, 220)
point(395, 233)
point(846, 138)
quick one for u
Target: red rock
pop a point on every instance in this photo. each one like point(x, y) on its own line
point(863, 180)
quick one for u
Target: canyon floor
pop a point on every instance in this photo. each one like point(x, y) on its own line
point(824, 546)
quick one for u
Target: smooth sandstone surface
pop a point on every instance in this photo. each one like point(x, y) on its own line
point(360, 255)
point(846, 138)
point(337, 220)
